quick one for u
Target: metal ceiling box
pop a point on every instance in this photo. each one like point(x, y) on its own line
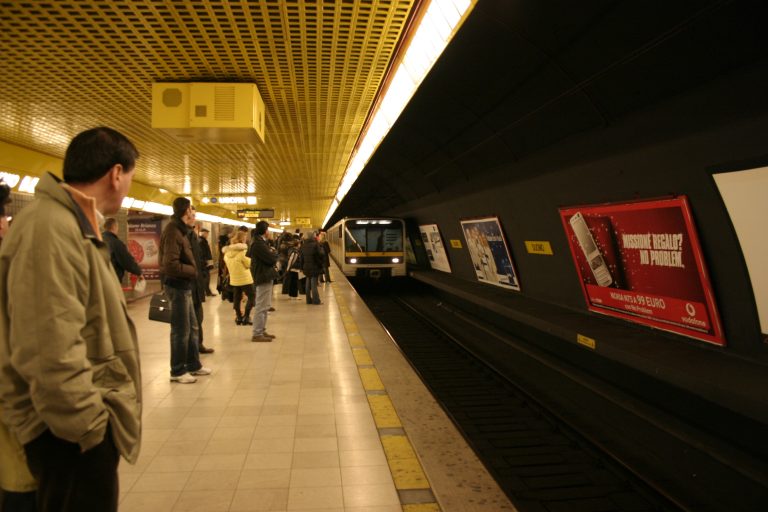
point(224, 113)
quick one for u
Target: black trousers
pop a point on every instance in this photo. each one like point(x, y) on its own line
point(199, 315)
point(246, 289)
point(69, 480)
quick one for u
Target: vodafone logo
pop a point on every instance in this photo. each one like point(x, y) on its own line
point(690, 309)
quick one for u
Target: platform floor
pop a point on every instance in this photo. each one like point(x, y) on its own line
point(327, 417)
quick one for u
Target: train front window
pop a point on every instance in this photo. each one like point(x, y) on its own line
point(364, 236)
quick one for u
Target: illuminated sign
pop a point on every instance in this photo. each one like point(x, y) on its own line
point(230, 200)
point(251, 213)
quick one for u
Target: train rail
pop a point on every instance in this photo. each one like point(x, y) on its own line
point(538, 460)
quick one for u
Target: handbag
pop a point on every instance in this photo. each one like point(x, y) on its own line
point(160, 308)
point(140, 286)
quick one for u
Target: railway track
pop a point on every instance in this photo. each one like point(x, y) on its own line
point(539, 461)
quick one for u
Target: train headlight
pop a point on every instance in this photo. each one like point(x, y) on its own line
point(353, 260)
point(395, 260)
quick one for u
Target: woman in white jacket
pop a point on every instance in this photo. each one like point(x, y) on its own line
point(240, 278)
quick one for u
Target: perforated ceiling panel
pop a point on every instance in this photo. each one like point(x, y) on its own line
point(71, 65)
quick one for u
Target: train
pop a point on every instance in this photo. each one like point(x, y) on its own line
point(369, 247)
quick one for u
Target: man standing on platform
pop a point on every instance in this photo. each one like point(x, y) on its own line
point(207, 256)
point(178, 274)
point(70, 382)
point(122, 260)
point(263, 259)
point(200, 287)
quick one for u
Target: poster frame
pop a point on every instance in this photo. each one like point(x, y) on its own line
point(442, 242)
point(681, 201)
point(491, 218)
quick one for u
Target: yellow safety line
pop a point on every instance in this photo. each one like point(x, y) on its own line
point(404, 465)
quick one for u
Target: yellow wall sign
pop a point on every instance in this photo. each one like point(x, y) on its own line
point(539, 247)
point(456, 244)
point(587, 342)
point(302, 221)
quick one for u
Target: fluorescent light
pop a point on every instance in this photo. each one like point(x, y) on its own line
point(334, 205)
point(28, 184)
point(429, 40)
point(10, 178)
point(162, 190)
point(206, 200)
point(127, 202)
point(250, 199)
point(138, 204)
point(162, 209)
point(285, 223)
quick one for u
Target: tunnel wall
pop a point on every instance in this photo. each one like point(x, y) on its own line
point(669, 150)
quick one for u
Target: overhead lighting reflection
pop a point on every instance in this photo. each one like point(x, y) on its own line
point(437, 27)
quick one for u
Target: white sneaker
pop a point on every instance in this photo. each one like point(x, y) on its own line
point(183, 379)
point(202, 371)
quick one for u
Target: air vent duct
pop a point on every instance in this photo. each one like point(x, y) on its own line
point(222, 113)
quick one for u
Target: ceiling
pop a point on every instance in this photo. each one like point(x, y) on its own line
point(72, 65)
point(524, 79)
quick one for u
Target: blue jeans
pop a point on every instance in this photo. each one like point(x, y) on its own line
point(313, 296)
point(185, 336)
point(263, 302)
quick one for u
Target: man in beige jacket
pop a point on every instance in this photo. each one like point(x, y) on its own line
point(70, 382)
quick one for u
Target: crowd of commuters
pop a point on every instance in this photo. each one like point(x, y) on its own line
point(70, 378)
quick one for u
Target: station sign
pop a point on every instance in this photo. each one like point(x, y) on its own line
point(252, 213)
point(539, 247)
point(302, 221)
point(222, 200)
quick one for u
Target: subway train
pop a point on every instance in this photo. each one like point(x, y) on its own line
point(369, 247)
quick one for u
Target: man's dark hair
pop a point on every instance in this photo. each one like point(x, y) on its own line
point(94, 152)
point(5, 197)
point(110, 223)
point(180, 206)
point(261, 227)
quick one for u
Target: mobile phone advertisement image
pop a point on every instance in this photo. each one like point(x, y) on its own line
point(641, 261)
point(489, 252)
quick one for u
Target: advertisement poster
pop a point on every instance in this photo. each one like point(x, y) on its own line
point(489, 252)
point(433, 243)
point(743, 193)
point(642, 262)
point(144, 245)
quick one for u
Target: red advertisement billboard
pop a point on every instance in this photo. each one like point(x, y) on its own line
point(641, 261)
point(144, 245)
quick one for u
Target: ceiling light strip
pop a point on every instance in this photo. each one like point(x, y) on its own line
point(431, 37)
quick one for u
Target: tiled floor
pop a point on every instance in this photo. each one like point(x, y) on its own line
point(281, 426)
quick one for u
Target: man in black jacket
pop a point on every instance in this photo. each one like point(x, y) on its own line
point(263, 259)
point(312, 256)
point(122, 260)
point(207, 257)
point(178, 271)
point(198, 292)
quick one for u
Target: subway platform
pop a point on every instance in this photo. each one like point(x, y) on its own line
point(327, 417)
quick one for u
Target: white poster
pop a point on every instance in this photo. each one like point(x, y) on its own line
point(433, 243)
point(744, 194)
point(489, 252)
